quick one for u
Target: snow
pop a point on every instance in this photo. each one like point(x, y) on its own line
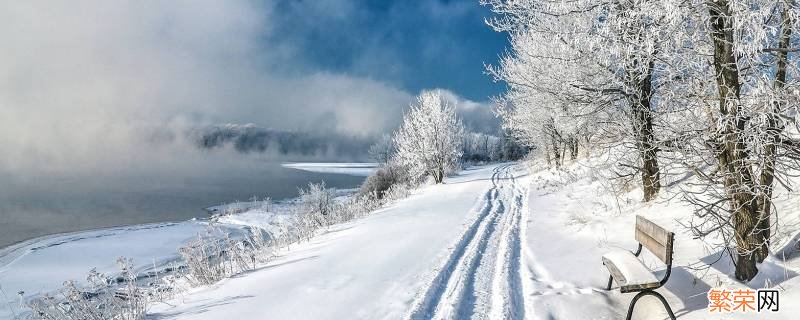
point(354, 169)
point(495, 242)
point(268, 221)
point(574, 221)
point(282, 205)
point(41, 265)
point(369, 268)
point(630, 267)
point(481, 274)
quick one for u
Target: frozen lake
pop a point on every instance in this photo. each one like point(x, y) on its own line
point(48, 204)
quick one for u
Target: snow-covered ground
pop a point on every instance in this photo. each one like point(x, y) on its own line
point(370, 268)
point(493, 242)
point(574, 220)
point(41, 265)
point(353, 169)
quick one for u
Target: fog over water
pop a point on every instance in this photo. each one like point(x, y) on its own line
point(46, 204)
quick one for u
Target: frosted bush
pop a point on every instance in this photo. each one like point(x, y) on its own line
point(118, 298)
point(204, 259)
point(384, 178)
point(397, 191)
point(317, 201)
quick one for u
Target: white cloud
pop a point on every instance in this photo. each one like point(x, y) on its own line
point(477, 116)
point(86, 83)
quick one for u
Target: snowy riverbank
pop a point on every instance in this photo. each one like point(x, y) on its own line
point(496, 240)
point(42, 264)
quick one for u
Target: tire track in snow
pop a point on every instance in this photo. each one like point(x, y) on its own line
point(426, 305)
point(481, 277)
point(511, 304)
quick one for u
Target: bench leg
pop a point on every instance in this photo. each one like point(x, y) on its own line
point(652, 293)
point(610, 279)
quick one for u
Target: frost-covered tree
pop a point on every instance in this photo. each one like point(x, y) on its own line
point(428, 142)
point(579, 69)
point(481, 147)
point(382, 150)
point(748, 130)
point(709, 86)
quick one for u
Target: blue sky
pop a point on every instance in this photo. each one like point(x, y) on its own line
point(413, 44)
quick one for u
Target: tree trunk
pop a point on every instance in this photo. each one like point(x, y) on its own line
point(586, 145)
point(643, 127)
point(572, 143)
point(547, 155)
point(639, 77)
point(556, 150)
point(575, 145)
point(438, 176)
point(731, 153)
point(774, 131)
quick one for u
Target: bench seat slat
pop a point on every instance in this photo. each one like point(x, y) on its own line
point(628, 271)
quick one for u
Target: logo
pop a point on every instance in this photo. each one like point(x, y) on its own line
point(742, 300)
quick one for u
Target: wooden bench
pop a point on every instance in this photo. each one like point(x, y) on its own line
point(631, 274)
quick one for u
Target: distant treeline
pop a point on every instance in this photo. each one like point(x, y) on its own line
point(251, 138)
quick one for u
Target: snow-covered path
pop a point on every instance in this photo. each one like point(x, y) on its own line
point(491, 243)
point(464, 234)
point(481, 278)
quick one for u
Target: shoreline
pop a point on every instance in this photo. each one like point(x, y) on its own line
point(6, 251)
point(41, 264)
point(356, 169)
point(208, 210)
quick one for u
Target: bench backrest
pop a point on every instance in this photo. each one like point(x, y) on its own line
point(655, 238)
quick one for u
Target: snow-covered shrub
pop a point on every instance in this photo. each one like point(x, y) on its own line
point(260, 245)
point(317, 201)
point(232, 209)
point(267, 204)
point(240, 255)
point(383, 179)
point(210, 259)
point(118, 298)
point(205, 259)
point(318, 208)
point(307, 224)
point(362, 205)
point(397, 191)
point(284, 234)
